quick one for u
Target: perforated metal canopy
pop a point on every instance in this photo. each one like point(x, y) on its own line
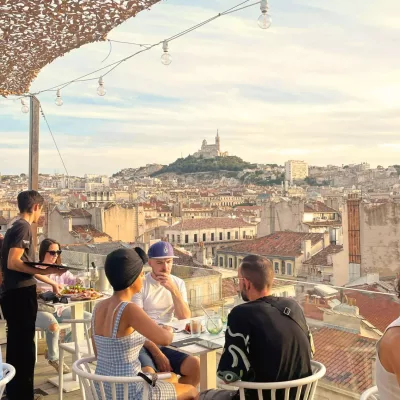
point(35, 32)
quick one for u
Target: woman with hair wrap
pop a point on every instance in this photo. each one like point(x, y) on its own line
point(120, 328)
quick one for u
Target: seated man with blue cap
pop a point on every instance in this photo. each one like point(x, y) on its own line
point(163, 297)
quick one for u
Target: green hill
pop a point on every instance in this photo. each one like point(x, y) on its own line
point(192, 164)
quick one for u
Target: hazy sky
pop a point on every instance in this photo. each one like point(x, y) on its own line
point(321, 85)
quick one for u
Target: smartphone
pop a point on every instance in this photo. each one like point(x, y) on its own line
point(209, 345)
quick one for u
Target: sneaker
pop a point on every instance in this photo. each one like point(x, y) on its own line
point(56, 366)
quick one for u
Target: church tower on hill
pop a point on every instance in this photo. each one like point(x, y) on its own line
point(211, 150)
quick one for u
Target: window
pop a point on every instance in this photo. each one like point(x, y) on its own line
point(289, 268)
point(220, 236)
point(178, 237)
point(215, 291)
point(221, 261)
point(195, 238)
point(230, 263)
point(173, 238)
point(212, 237)
point(186, 238)
point(167, 237)
point(204, 237)
point(229, 236)
point(213, 251)
point(283, 268)
point(276, 266)
point(244, 234)
point(236, 235)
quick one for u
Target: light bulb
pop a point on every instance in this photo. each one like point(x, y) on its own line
point(264, 20)
point(166, 58)
point(59, 100)
point(100, 90)
point(24, 108)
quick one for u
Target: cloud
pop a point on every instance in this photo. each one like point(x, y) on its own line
point(322, 84)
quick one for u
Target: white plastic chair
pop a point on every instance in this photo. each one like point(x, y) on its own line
point(8, 374)
point(39, 332)
point(87, 379)
point(309, 384)
point(370, 394)
point(77, 349)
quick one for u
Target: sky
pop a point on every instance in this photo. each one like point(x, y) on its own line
point(322, 85)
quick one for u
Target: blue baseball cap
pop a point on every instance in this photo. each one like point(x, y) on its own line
point(161, 250)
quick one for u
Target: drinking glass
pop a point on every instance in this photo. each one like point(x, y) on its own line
point(214, 324)
point(224, 314)
point(195, 327)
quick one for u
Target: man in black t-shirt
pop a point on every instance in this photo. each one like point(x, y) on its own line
point(262, 344)
point(19, 302)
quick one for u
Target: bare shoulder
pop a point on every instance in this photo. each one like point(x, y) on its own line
point(391, 337)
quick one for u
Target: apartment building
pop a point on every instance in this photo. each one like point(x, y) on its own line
point(296, 170)
point(211, 232)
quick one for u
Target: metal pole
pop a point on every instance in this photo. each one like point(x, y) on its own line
point(34, 154)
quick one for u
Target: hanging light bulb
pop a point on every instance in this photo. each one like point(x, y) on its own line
point(100, 90)
point(264, 20)
point(166, 58)
point(24, 108)
point(59, 100)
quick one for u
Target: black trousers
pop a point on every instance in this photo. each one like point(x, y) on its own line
point(20, 308)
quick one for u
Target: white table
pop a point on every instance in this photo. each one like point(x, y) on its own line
point(208, 358)
point(71, 383)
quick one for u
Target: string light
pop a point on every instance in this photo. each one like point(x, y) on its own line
point(166, 58)
point(264, 20)
point(59, 100)
point(24, 108)
point(100, 90)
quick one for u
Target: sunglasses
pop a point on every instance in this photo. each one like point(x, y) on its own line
point(236, 281)
point(54, 253)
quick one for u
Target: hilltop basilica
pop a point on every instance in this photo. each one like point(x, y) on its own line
point(211, 150)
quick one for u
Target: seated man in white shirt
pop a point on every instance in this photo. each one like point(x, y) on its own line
point(162, 297)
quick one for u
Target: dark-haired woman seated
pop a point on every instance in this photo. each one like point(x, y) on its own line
point(120, 328)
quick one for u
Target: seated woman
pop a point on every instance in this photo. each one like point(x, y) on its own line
point(388, 360)
point(50, 253)
point(120, 328)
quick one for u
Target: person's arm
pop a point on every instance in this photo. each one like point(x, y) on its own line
point(15, 263)
point(45, 279)
point(234, 363)
point(142, 323)
point(181, 308)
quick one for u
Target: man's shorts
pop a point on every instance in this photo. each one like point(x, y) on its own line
point(176, 358)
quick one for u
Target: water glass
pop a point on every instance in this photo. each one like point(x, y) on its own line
point(214, 324)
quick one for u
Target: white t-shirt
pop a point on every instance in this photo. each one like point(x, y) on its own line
point(156, 300)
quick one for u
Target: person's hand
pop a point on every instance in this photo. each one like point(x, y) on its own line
point(166, 281)
point(57, 288)
point(162, 362)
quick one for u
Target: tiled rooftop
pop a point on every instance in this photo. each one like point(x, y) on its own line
point(89, 230)
point(323, 257)
point(318, 207)
point(210, 223)
point(75, 213)
point(284, 244)
point(380, 310)
point(348, 358)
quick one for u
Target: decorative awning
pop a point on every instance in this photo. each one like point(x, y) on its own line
point(33, 33)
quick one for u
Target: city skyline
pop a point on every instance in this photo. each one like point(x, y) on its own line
point(321, 85)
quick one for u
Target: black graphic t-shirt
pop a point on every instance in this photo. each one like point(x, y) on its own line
point(18, 236)
point(263, 345)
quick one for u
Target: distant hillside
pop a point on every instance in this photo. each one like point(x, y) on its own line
point(192, 164)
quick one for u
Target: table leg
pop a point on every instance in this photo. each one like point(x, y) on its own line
point(208, 370)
